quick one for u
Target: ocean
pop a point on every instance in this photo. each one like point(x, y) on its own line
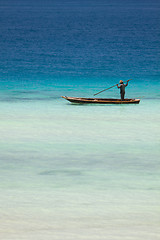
point(70, 171)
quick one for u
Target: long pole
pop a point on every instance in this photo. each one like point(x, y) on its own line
point(109, 88)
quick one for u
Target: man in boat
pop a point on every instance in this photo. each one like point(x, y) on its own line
point(122, 88)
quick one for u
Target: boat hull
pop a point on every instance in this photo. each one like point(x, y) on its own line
point(100, 100)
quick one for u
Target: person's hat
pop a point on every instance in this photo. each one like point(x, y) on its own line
point(120, 81)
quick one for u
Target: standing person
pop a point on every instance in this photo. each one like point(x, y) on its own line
point(122, 88)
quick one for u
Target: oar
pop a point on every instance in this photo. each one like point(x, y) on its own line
point(109, 88)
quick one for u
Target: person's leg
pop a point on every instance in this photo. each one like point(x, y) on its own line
point(122, 96)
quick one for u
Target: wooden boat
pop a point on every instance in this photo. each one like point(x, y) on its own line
point(101, 100)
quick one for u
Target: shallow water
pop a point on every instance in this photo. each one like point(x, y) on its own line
point(77, 171)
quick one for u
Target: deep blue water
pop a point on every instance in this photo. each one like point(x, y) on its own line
point(55, 43)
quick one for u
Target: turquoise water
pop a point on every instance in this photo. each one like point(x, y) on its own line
point(72, 171)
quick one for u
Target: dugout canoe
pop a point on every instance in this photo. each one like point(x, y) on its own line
point(101, 100)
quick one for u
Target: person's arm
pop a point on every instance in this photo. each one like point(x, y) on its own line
point(118, 86)
point(126, 83)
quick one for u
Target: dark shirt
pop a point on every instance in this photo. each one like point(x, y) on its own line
point(122, 87)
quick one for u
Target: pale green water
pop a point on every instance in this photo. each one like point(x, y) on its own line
point(79, 172)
